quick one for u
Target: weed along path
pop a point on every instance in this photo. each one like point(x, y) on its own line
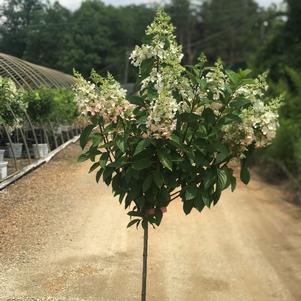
point(63, 237)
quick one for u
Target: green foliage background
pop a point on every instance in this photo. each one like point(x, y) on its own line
point(101, 36)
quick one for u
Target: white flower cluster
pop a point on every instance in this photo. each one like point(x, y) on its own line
point(259, 120)
point(165, 77)
point(106, 99)
point(254, 90)
point(161, 121)
point(216, 80)
point(8, 90)
point(12, 104)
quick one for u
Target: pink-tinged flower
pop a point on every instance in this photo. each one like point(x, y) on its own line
point(163, 209)
point(144, 135)
point(150, 211)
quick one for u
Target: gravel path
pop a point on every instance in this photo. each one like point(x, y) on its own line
point(63, 237)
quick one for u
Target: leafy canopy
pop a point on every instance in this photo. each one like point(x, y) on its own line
point(178, 134)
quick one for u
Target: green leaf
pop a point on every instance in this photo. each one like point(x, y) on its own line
point(103, 159)
point(233, 183)
point(222, 154)
point(209, 178)
point(164, 197)
point(158, 215)
point(142, 164)
point(141, 146)
point(234, 77)
point(240, 103)
point(187, 206)
point(98, 175)
point(120, 143)
point(121, 197)
point(190, 117)
point(244, 172)
point(209, 116)
point(134, 213)
point(206, 199)
point(84, 137)
point(245, 72)
point(147, 183)
point(133, 222)
point(222, 179)
point(165, 159)
point(107, 175)
point(140, 202)
point(158, 178)
point(93, 167)
point(136, 100)
point(216, 196)
point(96, 139)
point(84, 157)
point(191, 193)
point(229, 118)
point(198, 204)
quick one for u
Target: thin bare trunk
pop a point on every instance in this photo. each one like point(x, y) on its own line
point(144, 271)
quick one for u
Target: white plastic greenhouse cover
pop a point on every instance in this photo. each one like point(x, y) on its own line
point(31, 76)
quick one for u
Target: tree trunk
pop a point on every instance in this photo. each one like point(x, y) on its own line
point(144, 271)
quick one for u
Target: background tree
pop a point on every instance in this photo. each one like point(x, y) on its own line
point(16, 16)
point(46, 34)
point(231, 29)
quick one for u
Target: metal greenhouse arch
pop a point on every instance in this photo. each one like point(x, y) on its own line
point(30, 76)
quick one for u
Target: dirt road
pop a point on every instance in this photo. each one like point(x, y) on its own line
point(63, 237)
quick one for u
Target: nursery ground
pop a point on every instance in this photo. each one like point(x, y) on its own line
point(63, 237)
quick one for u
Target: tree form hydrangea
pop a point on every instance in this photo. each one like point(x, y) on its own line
point(12, 105)
point(177, 135)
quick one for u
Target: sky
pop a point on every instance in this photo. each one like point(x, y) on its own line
point(73, 4)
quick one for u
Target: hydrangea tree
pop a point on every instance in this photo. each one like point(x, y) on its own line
point(12, 105)
point(175, 138)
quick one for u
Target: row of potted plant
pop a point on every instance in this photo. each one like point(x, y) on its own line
point(42, 108)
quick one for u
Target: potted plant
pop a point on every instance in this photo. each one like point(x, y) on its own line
point(40, 108)
point(175, 139)
point(12, 113)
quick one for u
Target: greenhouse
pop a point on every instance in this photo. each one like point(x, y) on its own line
point(37, 113)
